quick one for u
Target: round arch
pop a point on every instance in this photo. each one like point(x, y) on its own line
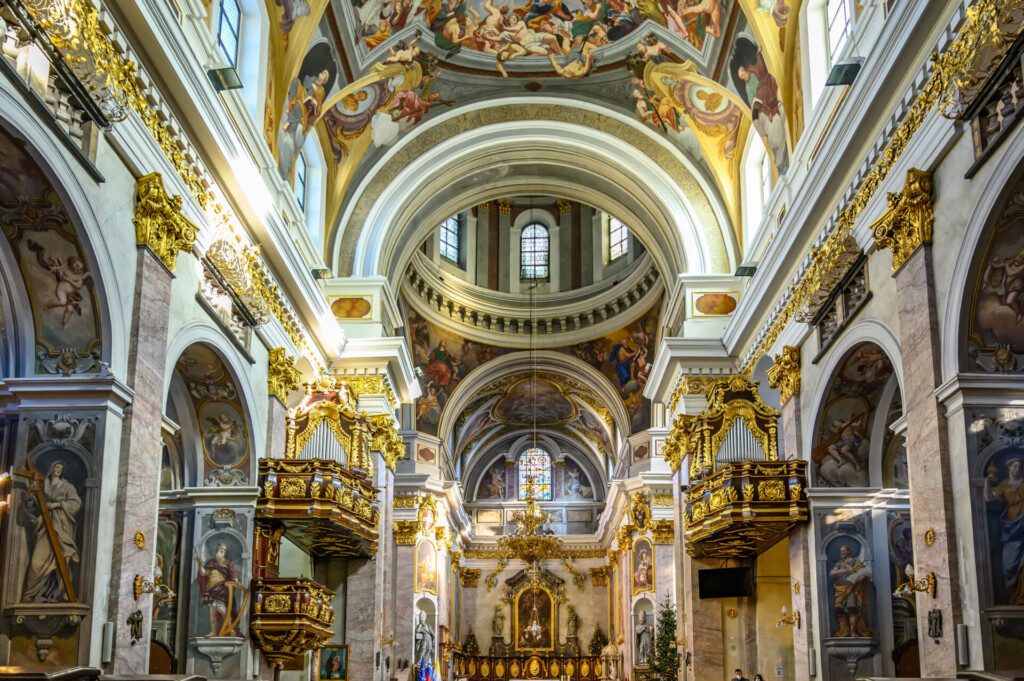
point(66, 178)
point(585, 152)
point(994, 193)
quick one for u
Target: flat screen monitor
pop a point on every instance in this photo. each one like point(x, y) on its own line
point(726, 582)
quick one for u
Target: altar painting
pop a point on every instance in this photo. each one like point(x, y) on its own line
point(534, 620)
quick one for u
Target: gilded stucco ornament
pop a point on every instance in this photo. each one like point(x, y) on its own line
point(233, 265)
point(384, 438)
point(159, 222)
point(677, 444)
point(469, 577)
point(784, 374)
point(907, 222)
point(282, 376)
point(599, 575)
point(405, 531)
point(663, 531)
point(939, 90)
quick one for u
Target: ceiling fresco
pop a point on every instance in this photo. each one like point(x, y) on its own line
point(443, 359)
point(362, 75)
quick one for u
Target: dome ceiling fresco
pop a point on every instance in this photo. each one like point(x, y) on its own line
point(361, 76)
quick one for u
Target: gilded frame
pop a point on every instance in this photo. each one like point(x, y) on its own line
point(416, 570)
point(634, 590)
point(553, 624)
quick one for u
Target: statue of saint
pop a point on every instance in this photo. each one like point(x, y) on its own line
point(573, 625)
point(424, 638)
point(498, 623)
point(644, 633)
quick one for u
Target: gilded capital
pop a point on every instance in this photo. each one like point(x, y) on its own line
point(282, 376)
point(677, 445)
point(564, 206)
point(504, 206)
point(663, 531)
point(907, 222)
point(469, 577)
point(784, 374)
point(386, 440)
point(405, 531)
point(159, 222)
point(599, 576)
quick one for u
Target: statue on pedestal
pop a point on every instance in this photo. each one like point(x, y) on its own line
point(424, 638)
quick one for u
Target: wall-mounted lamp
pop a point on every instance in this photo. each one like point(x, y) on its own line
point(224, 78)
point(844, 72)
point(793, 621)
point(907, 588)
point(388, 640)
point(141, 585)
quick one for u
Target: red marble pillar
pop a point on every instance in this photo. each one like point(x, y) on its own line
point(139, 467)
point(931, 489)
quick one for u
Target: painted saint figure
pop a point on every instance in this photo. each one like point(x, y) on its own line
point(43, 581)
point(218, 580)
point(850, 594)
point(642, 573)
point(1009, 494)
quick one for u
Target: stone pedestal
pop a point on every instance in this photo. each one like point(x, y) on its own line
point(931, 489)
point(139, 469)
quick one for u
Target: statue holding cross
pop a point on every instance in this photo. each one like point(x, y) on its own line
point(52, 506)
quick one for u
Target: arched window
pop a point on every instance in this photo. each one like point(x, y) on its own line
point(618, 239)
point(535, 465)
point(300, 180)
point(450, 237)
point(229, 26)
point(757, 183)
point(534, 253)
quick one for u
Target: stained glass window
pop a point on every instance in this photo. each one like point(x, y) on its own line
point(533, 251)
point(536, 464)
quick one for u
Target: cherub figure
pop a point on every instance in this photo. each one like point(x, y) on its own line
point(70, 277)
point(221, 430)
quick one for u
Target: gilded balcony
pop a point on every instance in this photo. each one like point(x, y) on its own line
point(290, 615)
point(323, 507)
point(744, 508)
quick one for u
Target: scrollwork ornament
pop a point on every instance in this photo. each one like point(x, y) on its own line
point(908, 221)
point(159, 222)
point(784, 374)
point(282, 376)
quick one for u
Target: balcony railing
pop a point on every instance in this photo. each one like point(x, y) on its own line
point(290, 616)
point(744, 508)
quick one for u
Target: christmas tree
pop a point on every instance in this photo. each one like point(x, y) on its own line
point(598, 641)
point(664, 661)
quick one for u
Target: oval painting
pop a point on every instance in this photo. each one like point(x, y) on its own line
point(715, 304)
point(350, 308)
point(225, 441)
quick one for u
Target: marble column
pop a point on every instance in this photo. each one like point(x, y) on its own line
point(277, 427)
point(139, 469)
point(703, 627)
point(931, 489)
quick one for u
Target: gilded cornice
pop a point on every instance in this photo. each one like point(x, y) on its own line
point(405, 531)
point(907, 222)
point(407, 501)
point(662, 500)
point(946, 70)
point(784, 374)
point(282, 376)
point(159, 222)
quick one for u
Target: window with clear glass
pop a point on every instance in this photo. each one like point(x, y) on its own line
point(766, 177)
point(300, 181)
point(450, 233)
point(838, 17)
point(534, 252)
point(535, 467)
point(228, 27)
point(618, 239)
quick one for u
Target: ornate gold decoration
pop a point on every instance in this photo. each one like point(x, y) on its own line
point(384, 438)
point(427, 514)
point(691, 384)
point(140, 540)
point(640, 511)
point(924, 585)
point(793, 621)
point(940, 89)
point(504, 206)
point(662, 500)
point(599, 576)
point(907, 222)
point(784, 374)
point(264, 288)
point(744, 508)
point(372, 384)
point(407, 501)
point(159, 222)
point(929, 537)
point(577, 578)
point(324, 507)
point(677, 444)
point(233, 266)
point(564, 206)
point(282, 376)
point(624, 536)
point(405, 531)
point(663, 531)
point(469, 577)
point(290, 616)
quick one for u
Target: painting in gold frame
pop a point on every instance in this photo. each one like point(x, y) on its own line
point(426, 567)
point(534, 620)
point(642, 566)
point(333, 663)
